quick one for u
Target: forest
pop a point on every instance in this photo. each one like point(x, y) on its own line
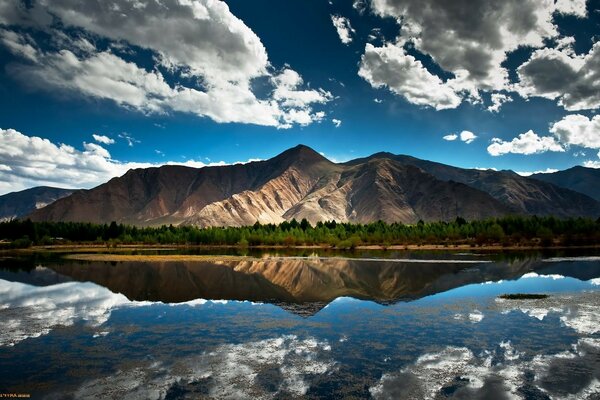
point(505, 231)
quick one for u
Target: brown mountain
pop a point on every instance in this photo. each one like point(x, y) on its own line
point(520, 194)
point(580, 179)
point(300, 183)
point(19, 204)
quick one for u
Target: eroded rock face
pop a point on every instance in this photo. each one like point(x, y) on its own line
point(300, 183)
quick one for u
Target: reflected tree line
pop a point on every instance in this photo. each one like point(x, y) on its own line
point(506, 231)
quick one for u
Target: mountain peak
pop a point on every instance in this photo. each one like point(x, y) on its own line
point(302, 153)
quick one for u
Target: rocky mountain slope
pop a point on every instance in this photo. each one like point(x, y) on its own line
point(300, 183)
point(579, 179)
point(19, 204)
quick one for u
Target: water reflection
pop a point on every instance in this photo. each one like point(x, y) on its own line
point(291, 281)
point(421, 331)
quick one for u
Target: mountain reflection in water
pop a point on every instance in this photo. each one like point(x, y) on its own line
point(298, 283)
point(90, 330)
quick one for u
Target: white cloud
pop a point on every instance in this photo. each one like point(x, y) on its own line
point(526, 143)
point(498, 99)
point(201, 41)
point(592, 163)
point(360, 6)
point(27, 161)
point(559, 74)
point(19, 44)
point(389, 66)
point(103, 139)
point(96, 149)
point(467, 137)
point(128, 138)
point(471, 39)
point(343, 28)
point(336, 122)
point(450, 137)
point(578, 130)
point(573, 7)
point(296, 104)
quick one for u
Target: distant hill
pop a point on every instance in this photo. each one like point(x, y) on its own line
point(19, 204)
point(579, 179)
point(300, 183)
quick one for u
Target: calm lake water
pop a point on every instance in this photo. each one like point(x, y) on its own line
point(388, 325)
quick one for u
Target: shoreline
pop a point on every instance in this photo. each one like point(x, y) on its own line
point(411, 247)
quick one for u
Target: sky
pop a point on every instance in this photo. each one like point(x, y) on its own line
point(90, 89)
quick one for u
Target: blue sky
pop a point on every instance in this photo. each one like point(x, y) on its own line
point(200, 82)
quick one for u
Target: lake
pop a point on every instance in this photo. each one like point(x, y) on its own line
point(382, 325)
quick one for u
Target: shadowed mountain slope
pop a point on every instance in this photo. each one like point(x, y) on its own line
point(19, 204)
point(521, 194)
point(579, 179)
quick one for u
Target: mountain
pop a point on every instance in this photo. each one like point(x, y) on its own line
point(19, 204)
point(579, 179)
point(520, 194)
point(301, 183)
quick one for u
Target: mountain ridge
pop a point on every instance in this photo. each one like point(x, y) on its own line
point(301, 183)
point(19, 204)
point(580, 179)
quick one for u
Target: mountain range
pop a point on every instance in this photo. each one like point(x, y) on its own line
point(579, 179)
point(301, 183)
point(19, 204)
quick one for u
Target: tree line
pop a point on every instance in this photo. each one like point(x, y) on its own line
point(507, 231)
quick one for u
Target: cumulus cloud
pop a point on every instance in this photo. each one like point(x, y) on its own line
point(27, 161)
point(572, 7)
point(360, 6)
point(471, 39)
point(526, 143)
point(336, 122)
point(389, 66)
point(498, 99)
point(343, 28)
point(592, 163)
point(578, 130)
point(212, 57)
point(296, 104)
point(467, 136)
point(559, 74)
point(571, 130)
point(103, 139)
